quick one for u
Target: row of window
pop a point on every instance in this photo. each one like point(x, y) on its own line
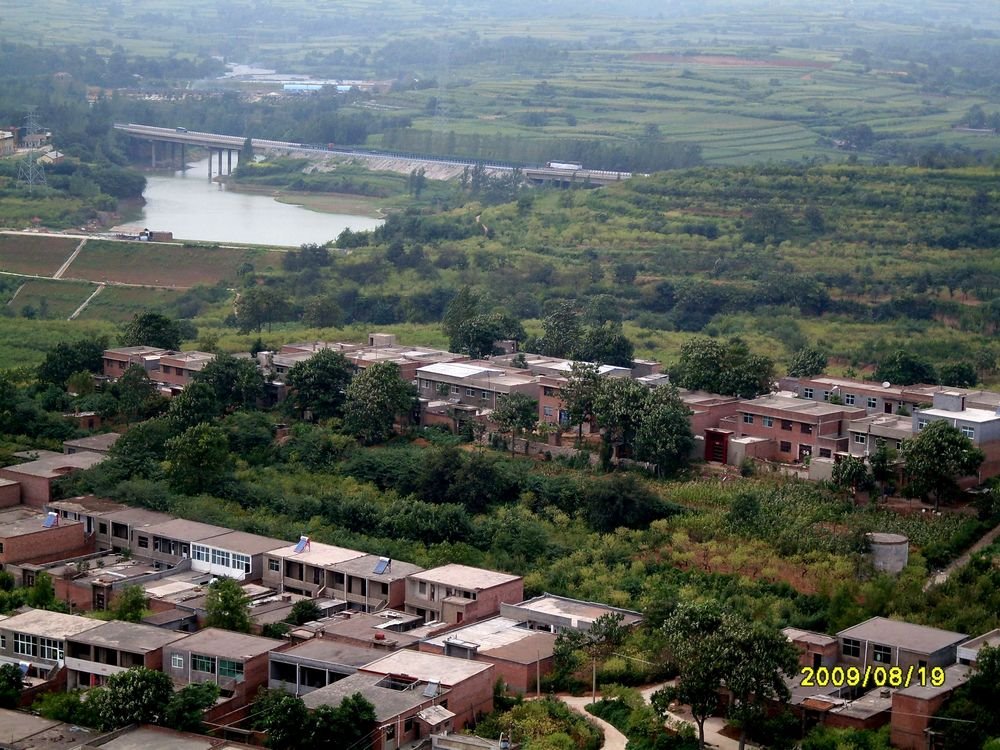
point(969, 432)
point(851, 648)
point(220, 557)
point(43, 648)
point(207, 664)
point(786, 424)
point(861, 438)
point(849, 398)
point(455, 390)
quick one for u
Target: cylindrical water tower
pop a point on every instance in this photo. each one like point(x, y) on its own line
point(890, 552)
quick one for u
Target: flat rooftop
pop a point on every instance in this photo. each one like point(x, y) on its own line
point(426, 667)
point(892, 390)
point(128, 636)
point(979, 416)
point(991, 639)
point(20, 730)
point(47, 624)
point(129, 351)
point(248, 544)
point(137, 518)
point(55, 466)
point(954, 676)
point(364, 567)
point(460, 370)
point(229, 645)
point(465, 577)
point(917, 638)
point(186, 531)
point(316, 553)
point(501, 638)
point(20, 520)
point(802, 406)
point(102, 442)
point(576, 610)
point(388, 703)
point(328, 651)
point(808, 636)
point(89, 504)
point(109, 568)
point(366, 628)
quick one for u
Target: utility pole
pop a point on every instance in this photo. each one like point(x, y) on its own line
point(29, 171)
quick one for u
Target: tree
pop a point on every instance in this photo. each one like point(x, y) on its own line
point(970, 718)
point(151, 329)
point(461, 308)
point(282, 716)
point(852, 473)
point(730, 369)
point(237, 383)
point(344, 726)
point(514, 413)
point(135, 696)
point(373, 400)
point(579, 392)
point(137, 453)
point(936, 458)
point(904, 368)
point(258, 306)
point(621, 500)
point(607, 345)
point(322, 312)
point(246, 153)
point(65, 360)
point(562, 331)
point(227, 606)
point(130, 604)
point(11, 685)
point(618, 407)
point(80, 383)
point(959, 374)
point(318, 384)
point(136, 394)
point(807, 363)
point(197, 403)
point(303, 611)
point(186, 707)
point(198, 460)
point(664, 436)
point(43, 594)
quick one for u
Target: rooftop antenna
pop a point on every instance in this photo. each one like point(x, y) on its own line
point(29, 171)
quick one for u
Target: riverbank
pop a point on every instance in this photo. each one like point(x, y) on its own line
point(326, 203)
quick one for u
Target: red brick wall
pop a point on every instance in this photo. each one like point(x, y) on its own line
point(10, 495)
point(910, 717)
point(46, 545)
point(35, 491)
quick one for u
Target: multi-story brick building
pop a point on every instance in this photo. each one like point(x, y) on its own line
point(38, 638)
point(28, 536)
point(94, 655)
point(964, 410)
point(796, 428)
point(36, 477)
point(177, 369)
point(880, 641)
point(459, 593)
point(306, 567)
point(117, 361)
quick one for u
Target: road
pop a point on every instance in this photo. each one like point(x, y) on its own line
point(960, 562)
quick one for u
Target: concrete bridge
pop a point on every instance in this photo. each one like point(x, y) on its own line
point(217, 143)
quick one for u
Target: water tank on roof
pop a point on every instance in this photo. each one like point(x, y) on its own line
point(890, 552)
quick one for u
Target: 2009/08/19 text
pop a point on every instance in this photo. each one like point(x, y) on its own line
point(897, 677)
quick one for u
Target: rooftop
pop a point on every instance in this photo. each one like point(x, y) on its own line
point(329, 651)
point(954, 676)
point(138, 518)
point(576, 610)
point(465, 577)
point(58, 465)
point(129, 636)
point(502, 638)
point(20, 730)
point(229, 645)
point(460, 370)
point(366, 565)
point(918, 638)
point(388, 703)
point(316, 553)
point(991, 639)
point(248, 544)
point(363, 628)
point(803, 406)
point(89, 504)
point(189, 358)
point(979, 416)
point(426, 667)
point(134, 351)
point(100, 443)
point(186, 531)
point(20, 520)
point(47, 624)
point(808, 636)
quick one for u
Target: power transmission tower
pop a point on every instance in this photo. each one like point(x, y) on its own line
point(29, 171)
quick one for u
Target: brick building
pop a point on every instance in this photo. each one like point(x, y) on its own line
point(38, 638)
point(29, 536)
point(36, 477)
point(94, 655)
point(460, 593)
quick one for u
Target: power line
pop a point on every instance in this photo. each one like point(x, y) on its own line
point(29, 171)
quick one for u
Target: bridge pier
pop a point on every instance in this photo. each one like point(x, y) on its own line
point(229, 161)
point(220, 162)
point(210, 155)
point(183, 158)
point(152, 148)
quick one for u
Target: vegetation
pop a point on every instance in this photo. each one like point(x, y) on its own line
point(226, 606)
point(289, 725)
point(544, 724)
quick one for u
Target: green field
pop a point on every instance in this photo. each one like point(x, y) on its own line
point(51, 299)
point(118, 304)
point(35, 255)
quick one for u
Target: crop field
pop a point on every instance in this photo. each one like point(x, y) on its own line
point(32, 254)
point(179, 266)
point(118, 304)
point(51, 299)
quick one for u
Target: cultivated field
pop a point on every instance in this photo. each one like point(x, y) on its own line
point(118, 304)
point(30, 254)
point(51, 299)
point(165, 265)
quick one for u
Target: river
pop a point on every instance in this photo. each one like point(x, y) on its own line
point(193, 208)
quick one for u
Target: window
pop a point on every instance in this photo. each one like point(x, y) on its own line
point(548, 391)
point(220, 557)
point(233, 669)
point(748, 419)
point(882, 654)
point(24, 645)
point(806, 429)
point(899, 444)
point(785, 447)
point(201, 663)
point(825, 453)
point(850, 647)
point(390, 732)
point(454, 389)
point(422, 587)
point(470, 391)
point(102, 528)
point(144, 542)
point(872, 402)
point(826, 395)
point(50, 649)
point(484, 394)
point(767, 421)
point(860, 438)
point(408, 725)
point(786, 425)
point(273, 565)
point(241, 562)
point(199, 552)
point(849, 399)
point(3, 641)
point(547, 410)
point(177, 661)
point(424, 384)
point(807, 393)
point(1, 548)
point(921, 424)
point(969, 432)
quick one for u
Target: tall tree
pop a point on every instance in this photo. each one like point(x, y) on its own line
point(187, 706)
point(283, 717)
point(936, 458)
point(807, 363)
point(905, 368)
point(461, 308)
point(11, 685)
point(606, 344)
point(238, 383)
point(664, 433)
point(66, 359)
point(257, 307)
point(730, 369)
point(477, 335)
point(562, 331)
point(130, 604)
point(618, 408)
point(227, 606)
point(135, 696)
point(374, 399)
point(151, 329)
point(136, 394)
point(198, 460)
point(579, 393)
point(515, 413)
point(195, 404)
point(318, 384)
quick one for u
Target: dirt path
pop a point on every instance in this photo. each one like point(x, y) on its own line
point(941, 576)
point(713, 726)
point(62, 269)
point(613, 739)
point(81, 308)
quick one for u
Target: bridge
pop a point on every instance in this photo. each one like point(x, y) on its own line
point(217, 143)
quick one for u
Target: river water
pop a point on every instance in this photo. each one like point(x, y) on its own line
point(193, 208)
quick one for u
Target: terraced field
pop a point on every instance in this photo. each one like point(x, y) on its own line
point(33, 254)
point(51, 299)
point(118, 304)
